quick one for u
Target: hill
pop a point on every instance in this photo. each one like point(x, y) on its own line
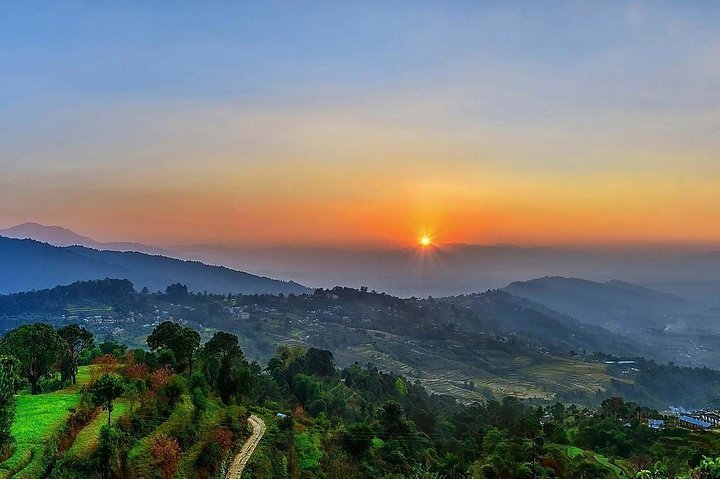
point(60, 236)
point(474, 347)
point(502, 313)
point(29, 264)
point(613, 304)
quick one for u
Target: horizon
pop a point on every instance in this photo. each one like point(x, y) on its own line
point(321, 125)
point(658, 247)
point(401, 239)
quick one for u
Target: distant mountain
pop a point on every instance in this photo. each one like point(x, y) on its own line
point(500, 312)
point(28, 264)
point(59, 236)
point(616, 305)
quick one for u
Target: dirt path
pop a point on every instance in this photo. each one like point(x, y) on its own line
point(242, 457)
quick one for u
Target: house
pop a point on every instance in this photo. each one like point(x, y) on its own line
point(658, 424)
point(713, 417)
point(694, 423)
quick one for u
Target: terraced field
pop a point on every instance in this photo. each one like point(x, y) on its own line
point(578, 454)
point(447, 367)
point(572, 452)
point(87, 439)
point(37, 419)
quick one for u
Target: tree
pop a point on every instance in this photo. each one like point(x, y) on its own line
point(176, 291)
point(709, 468)
point(162, 335)
point(187, 343)
point(183, 342)
point(319, 362)
point(222, 356)
point(166, 452)
point(77, 340)
point(223, 345)
point(37, 347)
point(8, 386)
point(105, 390)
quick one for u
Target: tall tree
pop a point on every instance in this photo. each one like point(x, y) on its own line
point(183, 342)
point(77, 340)
point(37, 346)
point(8, 385)
point(222, 356)
point(105, 391)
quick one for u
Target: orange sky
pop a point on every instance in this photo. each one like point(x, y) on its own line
point(353, 126)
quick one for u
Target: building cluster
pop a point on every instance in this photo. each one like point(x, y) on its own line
point(702, 420)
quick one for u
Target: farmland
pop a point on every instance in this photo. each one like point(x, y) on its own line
point(37, 419)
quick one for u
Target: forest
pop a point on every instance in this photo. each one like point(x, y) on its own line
point(179, 408)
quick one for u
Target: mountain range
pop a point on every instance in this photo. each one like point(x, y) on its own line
point(60, 236)
point(691, 272)
point(29, 264)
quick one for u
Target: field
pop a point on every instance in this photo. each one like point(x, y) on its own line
point(447, 367)
point(619, 473)
point(573, 452)
point(88, 310)
point(87, 439)
point(577, 454)
point(38, 417)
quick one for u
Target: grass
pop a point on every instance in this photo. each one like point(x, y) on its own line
point(573, 452)
point(37, 418)
point(87, 439)
point(619, 473)
point(308, 448)
point(211, 418)
point(140, 461)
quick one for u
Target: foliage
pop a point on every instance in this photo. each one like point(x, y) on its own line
point(37, 347)
point(77, 339)
point(166, 452)
point(105, 390)
point(8, 387)
point(183, 342)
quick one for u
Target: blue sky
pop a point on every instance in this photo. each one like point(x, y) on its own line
point(433, 110)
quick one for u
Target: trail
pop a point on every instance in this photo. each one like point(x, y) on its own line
point(242, 457)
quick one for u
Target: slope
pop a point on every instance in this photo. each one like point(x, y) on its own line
point(28, 264)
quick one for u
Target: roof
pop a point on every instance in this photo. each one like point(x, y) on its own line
point(695, 421)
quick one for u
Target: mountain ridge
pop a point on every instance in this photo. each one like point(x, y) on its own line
point(30, 264)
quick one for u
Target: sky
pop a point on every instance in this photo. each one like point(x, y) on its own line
point(362, 123)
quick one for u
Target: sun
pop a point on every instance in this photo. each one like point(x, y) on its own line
point(425, 241)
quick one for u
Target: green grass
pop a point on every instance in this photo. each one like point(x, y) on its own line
point(619, 473)
point(87, 439)
point(37, 418)
point(308, 448)
point(573, 452)
point(211, 418)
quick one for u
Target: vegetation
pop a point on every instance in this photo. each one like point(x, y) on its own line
point(179, 409)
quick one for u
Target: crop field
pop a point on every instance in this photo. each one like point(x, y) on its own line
point(619, 473)
point(76, 309)
point(37, 418)
point(573, 452)
point(445, 367)
point(87, 439)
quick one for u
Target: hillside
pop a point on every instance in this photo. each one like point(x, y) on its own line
point(29, 264)
point(503, 313)
point(192, 409)
point(60, 236)
point(470, 352)
point(614, 304)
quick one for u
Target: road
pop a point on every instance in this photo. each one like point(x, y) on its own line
point(246, 452)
